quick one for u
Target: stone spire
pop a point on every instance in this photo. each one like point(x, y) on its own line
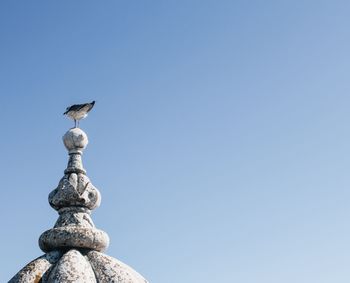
point(73, 247)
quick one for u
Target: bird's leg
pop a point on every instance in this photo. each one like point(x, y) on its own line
point(78, 123)
point(75, 123)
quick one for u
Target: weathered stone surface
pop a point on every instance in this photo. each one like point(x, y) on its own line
point(75, 190)
point(75, 140)
point(73, 246)
point(35, 270)
point(74, 198)
point(74, 216)
point(111, 270)
point(72, 267)
point(73, 237)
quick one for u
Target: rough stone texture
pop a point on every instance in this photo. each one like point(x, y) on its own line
point(74, 216)
point(73, 237)
point(108, 269)
point(35, 270)
point(72, 267)
point(74, 245)
point(75, 190)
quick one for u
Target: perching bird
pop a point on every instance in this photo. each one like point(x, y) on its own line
point(78, 111)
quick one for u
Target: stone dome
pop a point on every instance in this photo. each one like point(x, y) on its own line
point(74, 265)
point(74, 246)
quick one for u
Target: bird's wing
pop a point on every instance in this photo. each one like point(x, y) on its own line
point(76, 107)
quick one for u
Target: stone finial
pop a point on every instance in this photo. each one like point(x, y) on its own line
point(73, 247)
point(75, 140)
point(74, 198)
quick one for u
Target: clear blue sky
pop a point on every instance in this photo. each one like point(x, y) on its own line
point(220, 140)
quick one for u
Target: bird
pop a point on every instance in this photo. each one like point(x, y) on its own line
point(78, 111)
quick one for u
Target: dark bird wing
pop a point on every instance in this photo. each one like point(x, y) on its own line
point(77, 107)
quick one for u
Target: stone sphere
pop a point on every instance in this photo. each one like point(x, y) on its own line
point(75, 140)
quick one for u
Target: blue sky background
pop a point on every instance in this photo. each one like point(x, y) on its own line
point(220, 140)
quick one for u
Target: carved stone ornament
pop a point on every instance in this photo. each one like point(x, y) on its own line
point(73, 247)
